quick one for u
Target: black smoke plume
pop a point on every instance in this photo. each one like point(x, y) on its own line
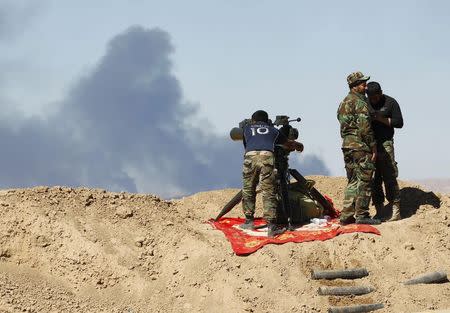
point(123, 126)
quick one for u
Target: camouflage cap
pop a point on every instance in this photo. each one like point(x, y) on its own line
point(356, 77)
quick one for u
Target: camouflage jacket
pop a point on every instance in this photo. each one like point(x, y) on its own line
point(354, 117)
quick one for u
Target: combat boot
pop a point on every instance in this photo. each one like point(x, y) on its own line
point(368, 221)
point(346, 221)
point(395, 213)
point(249, 223)
point(380, 211)
point(273, 230)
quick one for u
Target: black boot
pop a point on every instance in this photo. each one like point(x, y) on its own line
point(346, 221)
point(379, 208)
point(248, 224)
point(273, 229)
point(368, 221)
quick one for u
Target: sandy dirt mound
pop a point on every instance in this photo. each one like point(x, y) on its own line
point(88, 250)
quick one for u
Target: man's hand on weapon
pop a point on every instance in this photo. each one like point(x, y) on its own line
point(292, 145)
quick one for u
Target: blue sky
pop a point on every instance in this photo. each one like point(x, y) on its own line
point(234, 57)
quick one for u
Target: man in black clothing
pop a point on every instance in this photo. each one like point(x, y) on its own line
point(386, 115)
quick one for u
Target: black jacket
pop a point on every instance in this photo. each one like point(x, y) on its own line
point(387, 107)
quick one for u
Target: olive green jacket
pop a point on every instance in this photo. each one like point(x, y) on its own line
point(354, 117)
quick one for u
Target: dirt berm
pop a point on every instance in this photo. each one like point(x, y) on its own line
point(89, 250)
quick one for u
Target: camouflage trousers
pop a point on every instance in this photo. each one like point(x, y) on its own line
point(386, 172)
point(259, 168)
point(360, 169)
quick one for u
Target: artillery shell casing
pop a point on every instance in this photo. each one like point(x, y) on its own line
point(356, 308)
point(344, 274)
point(345, 291)
point(429, 278)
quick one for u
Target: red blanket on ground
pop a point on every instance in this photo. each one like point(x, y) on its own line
point(244, 242)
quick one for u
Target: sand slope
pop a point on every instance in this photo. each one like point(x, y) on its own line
point(88, 250)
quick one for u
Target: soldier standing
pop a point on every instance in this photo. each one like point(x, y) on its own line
point(260, 139)
point(359, 149)
point(386, 116)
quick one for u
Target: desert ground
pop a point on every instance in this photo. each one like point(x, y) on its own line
point(89, 250)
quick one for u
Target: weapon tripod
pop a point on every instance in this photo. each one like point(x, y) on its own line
point(284, 210)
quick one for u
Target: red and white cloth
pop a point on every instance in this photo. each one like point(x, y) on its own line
point(244, 242)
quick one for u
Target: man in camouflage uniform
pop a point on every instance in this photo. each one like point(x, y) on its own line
point(359, 148)
point(260, 139)
point(386, 115)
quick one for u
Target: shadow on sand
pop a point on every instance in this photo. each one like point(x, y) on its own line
point(412, 198)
